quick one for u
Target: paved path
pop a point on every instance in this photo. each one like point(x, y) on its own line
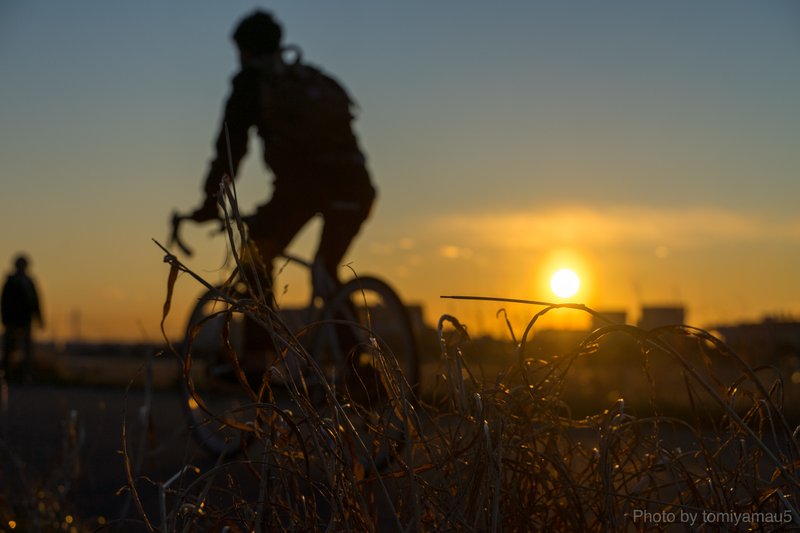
point(72, 436)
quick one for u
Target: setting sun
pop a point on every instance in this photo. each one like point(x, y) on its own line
point(565, 283)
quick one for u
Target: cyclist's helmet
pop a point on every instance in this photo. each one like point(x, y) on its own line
point(258, 33)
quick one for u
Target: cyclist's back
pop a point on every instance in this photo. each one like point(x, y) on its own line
point(306, 117)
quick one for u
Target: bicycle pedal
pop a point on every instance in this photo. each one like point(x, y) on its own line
point(220, 371)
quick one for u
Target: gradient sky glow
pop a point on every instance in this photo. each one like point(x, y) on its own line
point(651, 146)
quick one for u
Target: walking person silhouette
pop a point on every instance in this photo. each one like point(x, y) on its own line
point(20, 308)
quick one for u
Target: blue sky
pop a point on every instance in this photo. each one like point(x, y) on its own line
point(654, 144)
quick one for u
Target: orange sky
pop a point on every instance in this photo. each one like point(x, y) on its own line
point(652, 148)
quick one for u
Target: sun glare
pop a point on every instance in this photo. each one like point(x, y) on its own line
point(565, 283)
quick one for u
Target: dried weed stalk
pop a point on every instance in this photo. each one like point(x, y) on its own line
point(505, 454)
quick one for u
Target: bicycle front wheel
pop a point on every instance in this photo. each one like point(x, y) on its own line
point(219, 408)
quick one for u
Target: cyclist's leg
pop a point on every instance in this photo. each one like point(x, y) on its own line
point(257, 338)
point(271, 230)
point(343, 218)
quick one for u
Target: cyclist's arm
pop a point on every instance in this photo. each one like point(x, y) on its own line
point(241, 113)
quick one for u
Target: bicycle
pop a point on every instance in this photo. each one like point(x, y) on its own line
point(343, 334)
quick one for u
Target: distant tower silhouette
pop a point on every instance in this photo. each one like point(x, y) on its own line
point(75, 325)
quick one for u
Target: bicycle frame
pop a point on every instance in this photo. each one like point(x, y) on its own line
point(335, 344)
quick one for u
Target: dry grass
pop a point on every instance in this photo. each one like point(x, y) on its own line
point(38, 497)
point(509, 454)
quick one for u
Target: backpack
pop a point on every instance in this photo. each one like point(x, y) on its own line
point(306, 112)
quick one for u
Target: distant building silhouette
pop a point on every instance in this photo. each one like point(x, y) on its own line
point(658, 316)
point(769, 341)
point(609, 317)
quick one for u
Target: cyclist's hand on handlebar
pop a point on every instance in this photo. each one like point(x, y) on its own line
point(208, 211)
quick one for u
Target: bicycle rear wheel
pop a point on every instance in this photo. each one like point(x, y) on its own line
point(368, 350)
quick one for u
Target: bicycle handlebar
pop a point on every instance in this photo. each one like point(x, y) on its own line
point(175, 238)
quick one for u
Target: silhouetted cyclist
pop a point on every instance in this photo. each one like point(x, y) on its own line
point(304, 118)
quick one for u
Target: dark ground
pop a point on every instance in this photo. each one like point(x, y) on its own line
point(64, 443)
point(61, 439)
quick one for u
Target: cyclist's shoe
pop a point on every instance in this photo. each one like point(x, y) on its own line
point(289, 368)
point(280, 370)
point(222, 371)
point(255, 364)
point(365, 385)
